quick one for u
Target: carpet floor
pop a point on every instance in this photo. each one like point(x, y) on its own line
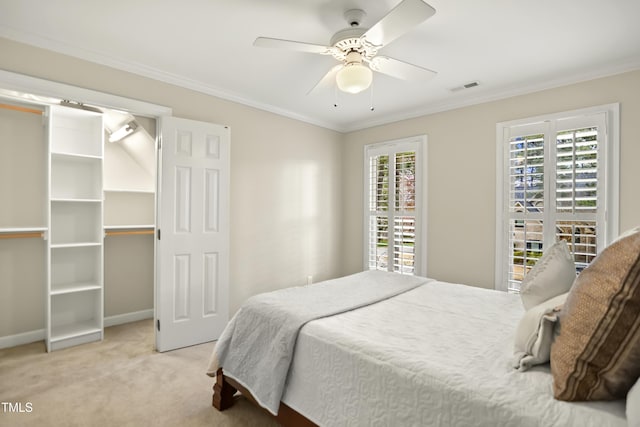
point(120, 381)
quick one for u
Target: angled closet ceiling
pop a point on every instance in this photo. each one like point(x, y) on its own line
point(130, 169)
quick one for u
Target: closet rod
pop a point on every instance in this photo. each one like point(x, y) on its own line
point(123, 233)
point(20, 235)
point(23, 109)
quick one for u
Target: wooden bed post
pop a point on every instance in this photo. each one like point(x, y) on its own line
point(223, 398)
point(222, 392)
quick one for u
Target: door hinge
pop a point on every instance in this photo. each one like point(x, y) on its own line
point(159, 142)
point(158, 324)
point(158, 234)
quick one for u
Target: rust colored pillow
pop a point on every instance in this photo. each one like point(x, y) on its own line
point(596, 355)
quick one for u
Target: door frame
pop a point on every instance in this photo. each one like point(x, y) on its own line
point(13, 85)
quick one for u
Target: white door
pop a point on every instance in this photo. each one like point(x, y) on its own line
point(193, 233)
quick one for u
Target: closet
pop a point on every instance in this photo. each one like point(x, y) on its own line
point(91, 235)
point(77, 222)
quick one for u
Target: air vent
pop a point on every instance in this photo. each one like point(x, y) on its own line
point(464, 86)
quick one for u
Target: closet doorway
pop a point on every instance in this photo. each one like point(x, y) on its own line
point(133, 285)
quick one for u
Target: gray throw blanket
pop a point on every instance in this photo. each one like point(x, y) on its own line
point(256, 348)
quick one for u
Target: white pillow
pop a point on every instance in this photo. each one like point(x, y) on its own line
point(532, 344)
point(552, 275)
point(633, 405)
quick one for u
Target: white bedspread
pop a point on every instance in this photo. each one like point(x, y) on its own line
point(256, 347)
point(438, 355)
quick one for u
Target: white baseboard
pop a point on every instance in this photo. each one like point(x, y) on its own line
point(39, 335)
point(119, 319)
point(23, 338)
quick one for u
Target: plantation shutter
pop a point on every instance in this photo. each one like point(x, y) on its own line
point(392, 214)
point(554, 188)
point(378, 212)
point(579, 190)
point(526, 201)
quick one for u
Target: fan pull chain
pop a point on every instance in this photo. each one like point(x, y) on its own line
point(372, 107)
point(335, 96)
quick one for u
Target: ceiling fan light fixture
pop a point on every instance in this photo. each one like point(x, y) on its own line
point(356, 45)
point(354, 78)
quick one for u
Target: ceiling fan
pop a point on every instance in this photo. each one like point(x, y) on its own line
point(357, 48)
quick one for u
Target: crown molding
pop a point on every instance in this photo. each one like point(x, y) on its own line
point(155, 74)
point(181, 81)
point(505, 93)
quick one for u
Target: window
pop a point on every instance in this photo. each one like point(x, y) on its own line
point(393, 212)
point(557, 180)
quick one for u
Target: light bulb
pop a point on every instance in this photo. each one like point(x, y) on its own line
point(354, 78)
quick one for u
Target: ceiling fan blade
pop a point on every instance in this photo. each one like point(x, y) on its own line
point(402, 18)
point(327, 81)
point(291, 45)
point(400, 69)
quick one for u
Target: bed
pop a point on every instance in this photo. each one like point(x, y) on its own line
point(435, 354)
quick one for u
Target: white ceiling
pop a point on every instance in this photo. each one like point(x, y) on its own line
point(508, 46)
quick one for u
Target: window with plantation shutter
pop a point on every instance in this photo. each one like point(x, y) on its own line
point(556, 181)
point(393, 215)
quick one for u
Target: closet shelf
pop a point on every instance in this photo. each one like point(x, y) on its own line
point(63, 332)
point(72, 200)
point(125, 190)
point(21, 229)
point(129, 230)
point(130, 227)
point(22, 232)
point(74, 245)
point(68, 288)
point(75, 155)
point(21, 109)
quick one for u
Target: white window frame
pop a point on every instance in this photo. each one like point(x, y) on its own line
point(418, 144)
point(608, 176)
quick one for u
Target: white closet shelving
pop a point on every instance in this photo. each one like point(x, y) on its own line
point(75, 236)
point(18, 230)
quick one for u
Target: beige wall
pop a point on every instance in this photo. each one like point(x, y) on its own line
point(461, 173)
point(285, 174)
point(22, 285)
point(128, 274)
point(23, 180)
point(23, 169)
